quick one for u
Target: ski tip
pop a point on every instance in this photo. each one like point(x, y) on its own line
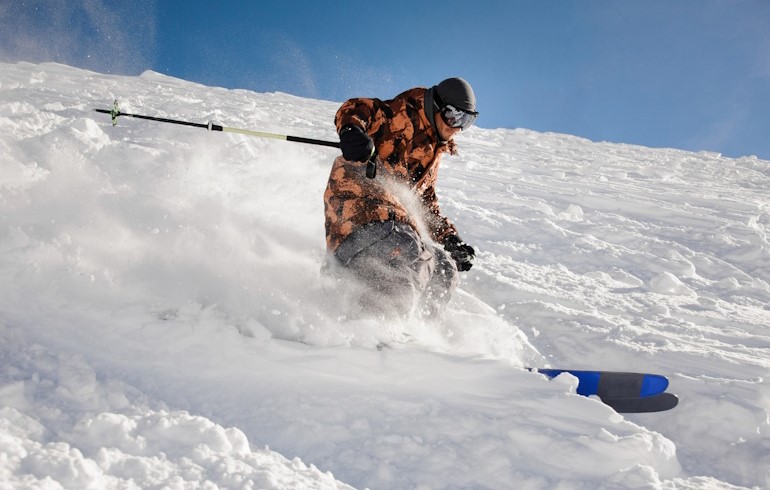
point(653, 384)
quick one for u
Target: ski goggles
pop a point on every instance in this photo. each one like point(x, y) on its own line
point(458, 118)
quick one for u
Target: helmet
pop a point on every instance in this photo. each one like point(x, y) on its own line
point(456, 92)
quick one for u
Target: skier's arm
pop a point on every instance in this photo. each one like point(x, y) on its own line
point(439, 225)
point(444, 232)
point(354, 120)
point(357, 112)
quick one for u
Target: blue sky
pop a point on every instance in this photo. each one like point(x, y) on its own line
point(689, 74)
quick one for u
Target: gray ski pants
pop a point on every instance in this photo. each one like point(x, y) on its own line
point(397, 270)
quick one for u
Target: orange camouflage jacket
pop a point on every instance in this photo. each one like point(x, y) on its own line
point(409, 154)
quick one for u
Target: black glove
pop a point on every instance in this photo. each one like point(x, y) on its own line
point(462, 253)
point(356, 145)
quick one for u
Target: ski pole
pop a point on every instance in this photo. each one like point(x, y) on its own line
point(115, 113)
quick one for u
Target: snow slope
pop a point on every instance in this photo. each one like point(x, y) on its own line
point(164, 324)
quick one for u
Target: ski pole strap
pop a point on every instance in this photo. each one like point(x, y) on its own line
point(114, 112)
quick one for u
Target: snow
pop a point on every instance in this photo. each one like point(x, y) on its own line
point(164, 322)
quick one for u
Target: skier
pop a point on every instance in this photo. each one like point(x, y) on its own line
point(384, 227)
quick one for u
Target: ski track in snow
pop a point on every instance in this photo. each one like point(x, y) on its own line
point(164, 323)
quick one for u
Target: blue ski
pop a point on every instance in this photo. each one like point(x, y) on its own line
point(613, 384)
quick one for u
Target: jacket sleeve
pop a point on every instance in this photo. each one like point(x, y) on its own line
point(358, 112)
point(439, 225)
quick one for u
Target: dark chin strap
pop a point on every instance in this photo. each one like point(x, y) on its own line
point(429, 106)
